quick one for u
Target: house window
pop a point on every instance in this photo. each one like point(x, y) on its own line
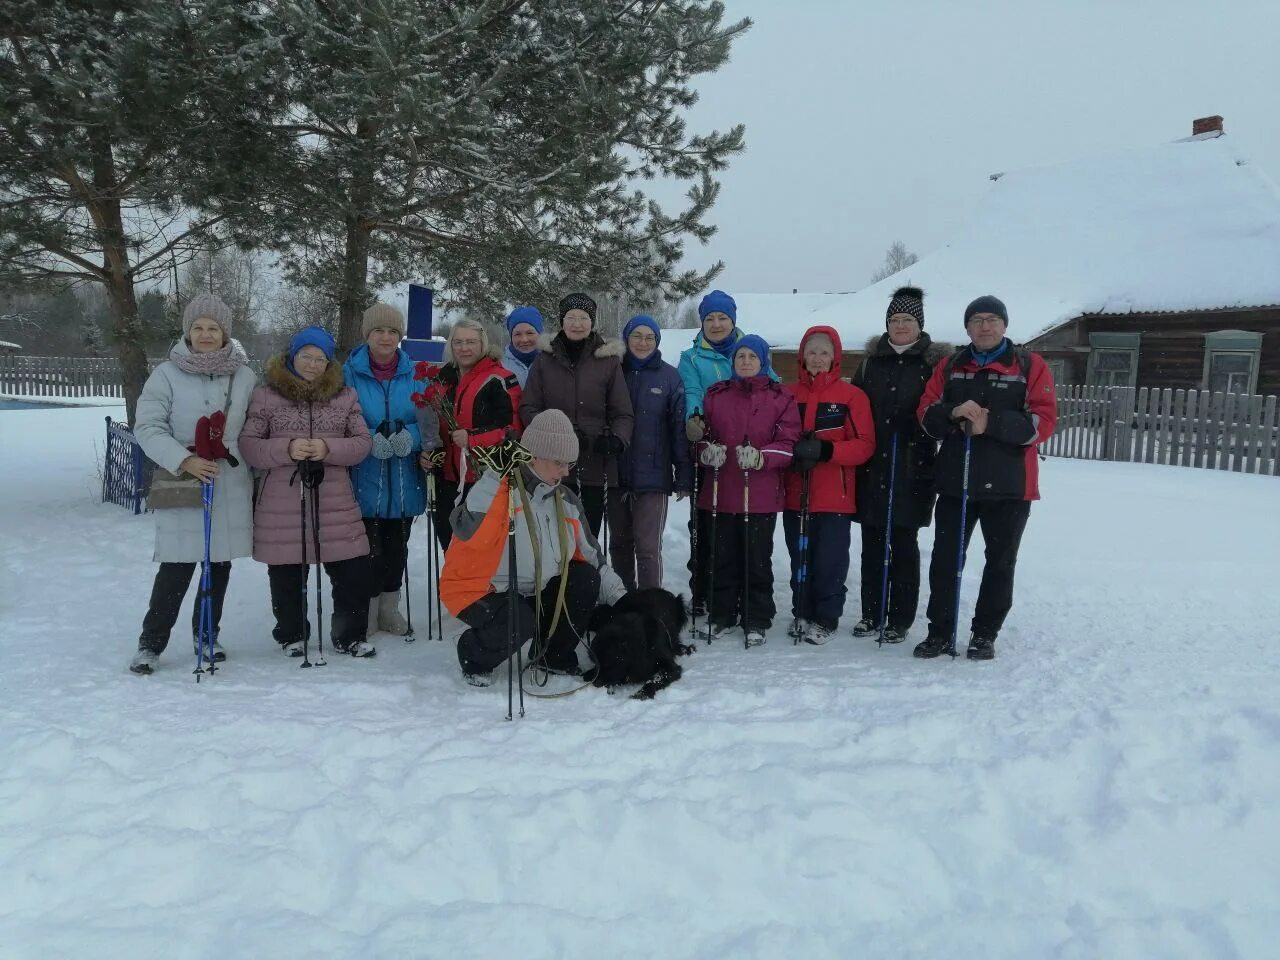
point(1231, 361)
point(1058, 370)
point(1113, 359)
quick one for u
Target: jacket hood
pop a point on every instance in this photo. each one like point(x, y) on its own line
point(879, 346)
point(360, 361)
point(835, 373)
point(324, 388)
point(600, 346)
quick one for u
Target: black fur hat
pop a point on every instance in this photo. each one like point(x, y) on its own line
point(906, 300)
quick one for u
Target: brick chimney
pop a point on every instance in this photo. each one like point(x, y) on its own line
point(1206, 125)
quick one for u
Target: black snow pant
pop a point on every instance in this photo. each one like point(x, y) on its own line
point(593, 503)
point(828, 565)
point(388, 548)
point(352, 584)
point(1002, 524)
point(167, 594)
point(699, 564)
point(744, 574)
point(487, 641)
point(904, 575)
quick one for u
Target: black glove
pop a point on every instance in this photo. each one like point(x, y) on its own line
point(810, 449)
point(608, 445)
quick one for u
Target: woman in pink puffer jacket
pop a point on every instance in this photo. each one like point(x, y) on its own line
point(304, 429)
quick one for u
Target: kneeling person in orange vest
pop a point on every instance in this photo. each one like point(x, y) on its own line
point(560, 570)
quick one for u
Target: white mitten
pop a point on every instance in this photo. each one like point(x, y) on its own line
point(714, 455)
point(749, 458)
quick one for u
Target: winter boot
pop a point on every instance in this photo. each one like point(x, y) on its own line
point(981, 648)
point(218, 653)
point(359, 648)
point(797, 628)
point(932, 646)
point(817, 634)
point(894, 635)
point(717, 631)
point(864, 628)
point(755, 637)
point(389, 619)
point(144, 661)
point(292, 649)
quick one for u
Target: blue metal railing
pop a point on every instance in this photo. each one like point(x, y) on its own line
point(124, 471)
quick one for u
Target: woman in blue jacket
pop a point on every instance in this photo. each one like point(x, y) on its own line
point(388, 483)
point(657, 462)
point(702, 366)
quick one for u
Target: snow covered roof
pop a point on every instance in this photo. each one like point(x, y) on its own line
point(1189, 225)
point(6, 345)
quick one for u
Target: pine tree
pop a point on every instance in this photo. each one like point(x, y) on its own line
point(112, 116)
point(493, 149)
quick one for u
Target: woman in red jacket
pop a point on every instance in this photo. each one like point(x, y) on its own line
point(485, 399)
point(838, 434)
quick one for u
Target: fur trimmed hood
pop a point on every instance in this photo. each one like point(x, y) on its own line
point(323, 389)
point(878, 345)
point(601, 346)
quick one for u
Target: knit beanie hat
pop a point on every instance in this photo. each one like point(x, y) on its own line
point(717, 301)
point(909, 300)
point(310, 337)
point(529, 315)
point(757, 346)
point(578, 301)
point(987, 304)
point(550, 435)
point(208, 307)
point(382, 315)
point(641, 320)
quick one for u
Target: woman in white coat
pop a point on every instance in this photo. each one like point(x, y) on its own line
point(206, 372)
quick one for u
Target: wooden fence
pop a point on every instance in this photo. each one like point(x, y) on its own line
point(1189, 428)
point(66, 376)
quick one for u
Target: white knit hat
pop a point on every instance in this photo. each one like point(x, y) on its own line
point(550, 435)
point(382, 315)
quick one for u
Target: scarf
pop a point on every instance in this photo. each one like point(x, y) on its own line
point(223, 362)
point(984, 358)
point(725, 346)
point(900, 350)
point(524, 356)
point(384, 371)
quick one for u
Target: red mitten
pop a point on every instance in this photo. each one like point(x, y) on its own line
point(204, 444)
point(209, 432)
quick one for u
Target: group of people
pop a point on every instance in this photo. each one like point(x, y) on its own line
point(555, 443)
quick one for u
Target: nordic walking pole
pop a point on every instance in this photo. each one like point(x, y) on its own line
point(967, 427)
point(405, 524)
point(693, 540)
point(802, 587)
point(604, 520)
point(711, 571)
point(513, 605)
point(435, 554)
point(206, 605)
point(746, 551)
point(315, 538)
point(888, 535)
point(306, 568)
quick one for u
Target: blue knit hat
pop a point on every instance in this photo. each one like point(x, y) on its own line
point(717, 301)
point(529, 315)
point(756, 345)
point(310, 337)
point(641, 320)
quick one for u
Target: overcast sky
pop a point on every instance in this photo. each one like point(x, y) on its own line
point(869, 122)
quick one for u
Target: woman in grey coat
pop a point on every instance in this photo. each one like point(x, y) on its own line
point(206, 372)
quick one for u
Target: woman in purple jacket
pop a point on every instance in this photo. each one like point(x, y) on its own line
point(752, 423)
point(656, 463)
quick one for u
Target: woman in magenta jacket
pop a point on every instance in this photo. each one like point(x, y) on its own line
point(838, 434)
point(752, 423)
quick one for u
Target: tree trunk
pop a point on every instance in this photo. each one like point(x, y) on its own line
point(105, 210)
point(355, 272)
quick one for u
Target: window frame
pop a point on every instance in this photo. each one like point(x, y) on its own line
point(1233, 343)
point(1113, 343)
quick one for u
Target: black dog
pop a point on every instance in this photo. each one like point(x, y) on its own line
point(637, 640)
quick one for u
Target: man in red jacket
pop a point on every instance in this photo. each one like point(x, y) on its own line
point(1004, 395)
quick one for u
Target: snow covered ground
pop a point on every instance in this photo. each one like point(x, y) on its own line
point(1108, 787)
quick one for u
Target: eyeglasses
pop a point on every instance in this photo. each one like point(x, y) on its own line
point(903, 321)
point(567, 466)
point(642, 338)
point(466, 343)
point(310, 361)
